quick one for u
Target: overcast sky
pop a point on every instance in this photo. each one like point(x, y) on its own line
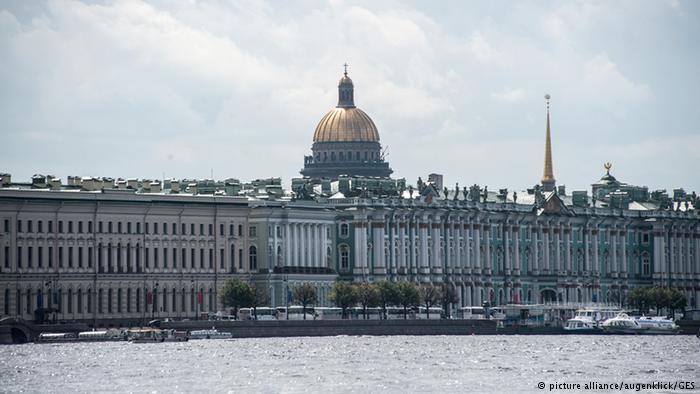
point(181, 88)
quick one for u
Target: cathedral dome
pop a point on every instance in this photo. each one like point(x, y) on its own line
point(346, 125)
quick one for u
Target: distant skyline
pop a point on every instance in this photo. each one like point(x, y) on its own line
point(142, 89)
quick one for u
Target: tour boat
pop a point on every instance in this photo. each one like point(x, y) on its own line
point(146, 336)
point(624, 324)
point(210, 334)
point(591, 318)
point(52, 337)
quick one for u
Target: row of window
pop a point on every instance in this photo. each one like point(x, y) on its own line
point(497, 234)
point(111, 300)
point(81, 227)
point(110, 254)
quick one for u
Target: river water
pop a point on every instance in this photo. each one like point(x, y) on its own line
point(351, 364)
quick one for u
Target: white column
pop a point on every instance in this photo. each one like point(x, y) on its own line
point(423, 234)
point(378, 248)
point(587, 242)
point(469, 230)
point(506, 249)
point(613, 251)
point(477, 247)
point(457, 237)
point(596, 262)
point(436, 264)
point(534, 231)
point(516, 249)
point(557, 264)
point(287, 245)
point(359, 262)
point(487, 249)
point(402, 247)
point(623, 245)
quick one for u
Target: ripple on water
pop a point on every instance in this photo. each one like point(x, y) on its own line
point(341, 364)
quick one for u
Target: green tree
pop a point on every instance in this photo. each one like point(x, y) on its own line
point(659, 298)
point(448, 296)
point(677, 301)
point(259, 297)
point(367, 296)
point(639, 299)
point(408, 296)
point(305, 294)
point(344, 295)
point(236, 294)
point(429, 296)
point(388, 295)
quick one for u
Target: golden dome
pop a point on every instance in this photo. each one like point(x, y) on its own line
point(346, 125)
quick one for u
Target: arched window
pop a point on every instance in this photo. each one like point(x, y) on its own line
point(253, 258)
point(280, 260)
point(344, 257)
point(344, 230)
point(233, 258)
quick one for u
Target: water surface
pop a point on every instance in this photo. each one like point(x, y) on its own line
point(395, 364)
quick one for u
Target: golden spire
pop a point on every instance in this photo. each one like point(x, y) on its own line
point(548, 181)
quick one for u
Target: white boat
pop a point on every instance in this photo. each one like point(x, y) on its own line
point(146, 336)
point(580, 325)
point(624, 324)
point(51, 337)
point(658, 325)
point(102, 336)
point(590, 319)
point(210, 334)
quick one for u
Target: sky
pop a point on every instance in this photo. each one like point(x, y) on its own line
point(184, 89)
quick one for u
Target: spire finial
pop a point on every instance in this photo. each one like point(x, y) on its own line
point(345, 66)
point(548, 181)
point(607, 167)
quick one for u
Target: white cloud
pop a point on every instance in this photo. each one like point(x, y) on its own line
point(509, 95)
point(484, 51)
point(187, 86)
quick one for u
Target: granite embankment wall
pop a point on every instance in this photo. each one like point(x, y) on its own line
point(294, 328)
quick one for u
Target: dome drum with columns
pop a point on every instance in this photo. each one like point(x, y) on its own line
point(346, 141)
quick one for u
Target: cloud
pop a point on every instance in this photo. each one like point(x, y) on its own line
point(136, 88)
point(483, 51)
point(509, 95)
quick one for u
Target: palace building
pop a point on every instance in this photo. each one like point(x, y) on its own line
point(106, 251)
